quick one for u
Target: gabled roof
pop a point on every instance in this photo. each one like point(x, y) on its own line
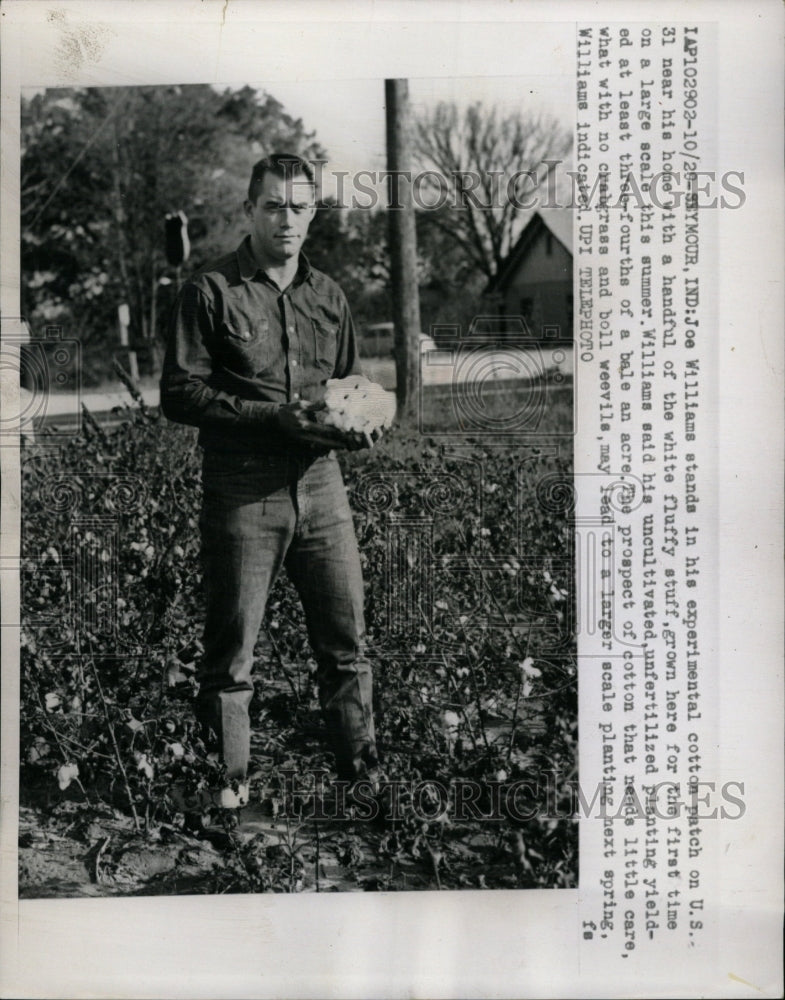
point(557, 221)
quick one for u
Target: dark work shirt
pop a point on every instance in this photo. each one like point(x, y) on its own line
point(239, 347)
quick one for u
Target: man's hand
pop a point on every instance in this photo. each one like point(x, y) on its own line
point(298, 420)
point(354, 440)
point(364, 439)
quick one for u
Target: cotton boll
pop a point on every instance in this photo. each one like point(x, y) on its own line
point(66, 775)
point(357, 404)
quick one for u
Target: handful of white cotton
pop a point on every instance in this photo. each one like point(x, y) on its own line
point(357, 404)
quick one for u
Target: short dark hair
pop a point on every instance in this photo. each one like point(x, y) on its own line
point(286, 165)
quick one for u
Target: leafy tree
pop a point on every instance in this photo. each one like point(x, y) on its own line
point(474, 158)
point(351, 246)
point(451, 283)
point(100, 170)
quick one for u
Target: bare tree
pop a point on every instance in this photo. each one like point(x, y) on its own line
point(480, 172)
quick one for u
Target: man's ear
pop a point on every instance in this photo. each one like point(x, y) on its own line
point(248, 207)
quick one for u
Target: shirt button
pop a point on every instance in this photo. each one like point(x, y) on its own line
point(291, 329)
point(295, 395)
point(245, 335)
point(294, 362)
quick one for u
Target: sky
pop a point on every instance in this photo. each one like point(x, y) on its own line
point(329, 74)
point(348, 115)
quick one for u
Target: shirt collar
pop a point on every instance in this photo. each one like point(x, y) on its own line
point(248, 267)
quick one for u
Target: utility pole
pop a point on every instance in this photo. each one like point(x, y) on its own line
point(403, 246)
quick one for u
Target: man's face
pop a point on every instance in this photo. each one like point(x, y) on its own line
point(280, 217)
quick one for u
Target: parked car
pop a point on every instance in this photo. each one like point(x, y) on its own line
point(377, 340)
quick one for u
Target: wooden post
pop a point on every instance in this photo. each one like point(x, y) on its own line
point(403, 247)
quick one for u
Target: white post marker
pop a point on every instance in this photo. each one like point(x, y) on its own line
point(124, 320)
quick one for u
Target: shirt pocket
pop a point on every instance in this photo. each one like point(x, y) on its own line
point(325, 335)
point(248, 345)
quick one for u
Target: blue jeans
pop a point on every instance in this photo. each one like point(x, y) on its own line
point(261, 513)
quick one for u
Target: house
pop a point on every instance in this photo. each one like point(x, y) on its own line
point(535, 280)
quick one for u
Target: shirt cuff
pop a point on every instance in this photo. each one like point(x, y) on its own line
point(257, 412)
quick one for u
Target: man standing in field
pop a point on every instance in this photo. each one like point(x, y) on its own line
point(253, 339)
